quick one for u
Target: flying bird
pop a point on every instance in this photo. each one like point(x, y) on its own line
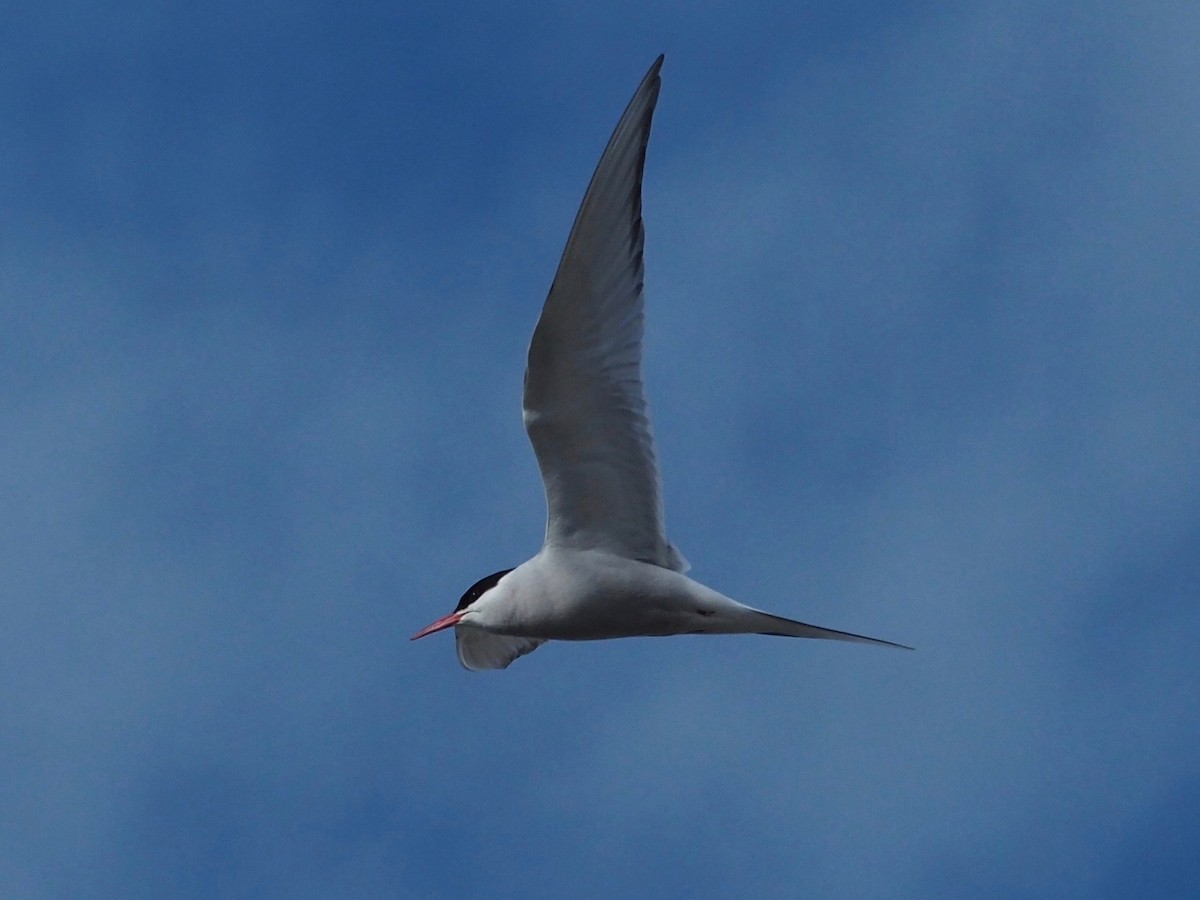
point(606, 569)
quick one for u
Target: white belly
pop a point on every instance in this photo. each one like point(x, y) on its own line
point(571, 595)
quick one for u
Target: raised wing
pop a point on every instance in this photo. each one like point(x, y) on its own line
point(585, 408)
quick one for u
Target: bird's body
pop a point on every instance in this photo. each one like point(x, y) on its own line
point(606, 569)
point(578, 595)
point(585, 595)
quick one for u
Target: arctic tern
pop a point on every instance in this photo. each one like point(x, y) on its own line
point(606, 569)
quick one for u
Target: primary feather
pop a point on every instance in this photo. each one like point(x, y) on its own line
point(584, 404)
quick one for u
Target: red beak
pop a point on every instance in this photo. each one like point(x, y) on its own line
point(443, 622)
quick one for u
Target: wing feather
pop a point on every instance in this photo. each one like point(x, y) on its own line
point(479, 649)
point(584, 404)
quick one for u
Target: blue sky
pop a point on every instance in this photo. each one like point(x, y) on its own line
point(923, 349)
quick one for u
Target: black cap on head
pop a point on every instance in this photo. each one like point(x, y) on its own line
point(479, 588)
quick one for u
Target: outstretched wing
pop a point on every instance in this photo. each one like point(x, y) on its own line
point(584, 405)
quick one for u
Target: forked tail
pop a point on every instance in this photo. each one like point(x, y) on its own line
point(765, 623)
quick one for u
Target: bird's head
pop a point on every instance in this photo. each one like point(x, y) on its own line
point(466, 605)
